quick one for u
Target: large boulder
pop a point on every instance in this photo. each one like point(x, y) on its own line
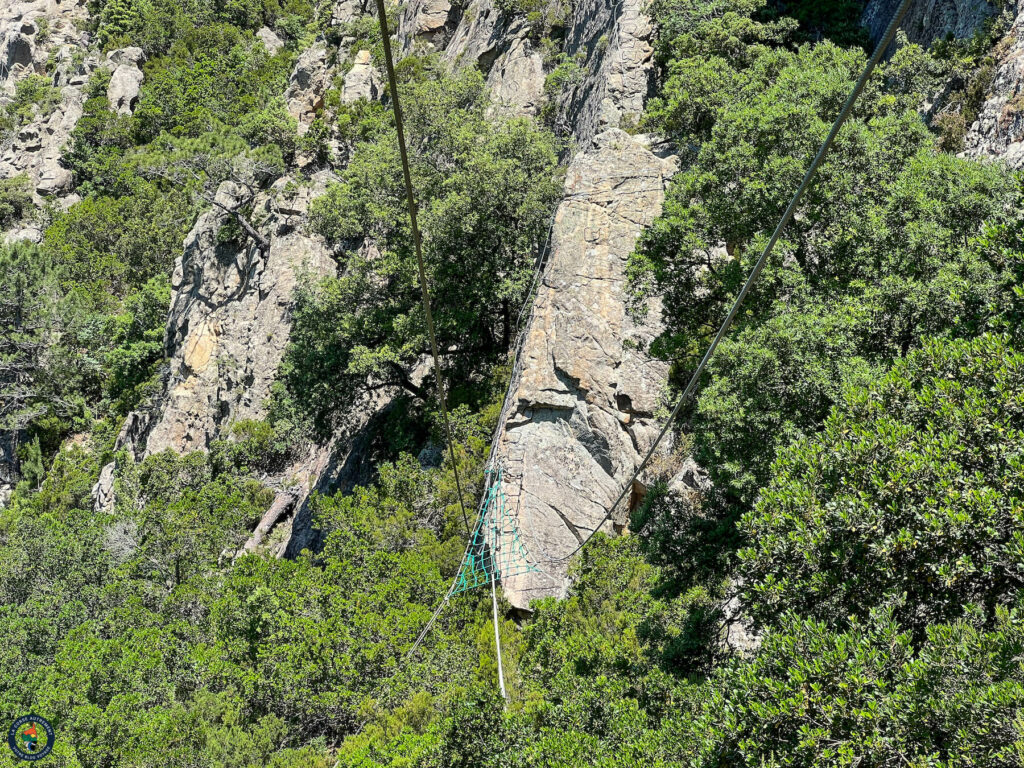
point(125, 80)
point(361, 81)
point(270, 40)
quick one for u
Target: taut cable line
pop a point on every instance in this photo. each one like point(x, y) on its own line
point(417, 243)
point(847, 109)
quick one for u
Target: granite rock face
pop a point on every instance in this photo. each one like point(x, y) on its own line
point(501, 47)
point(229, 319)
point(428, 22)
point(228, 328)
point(999, 130)
point(929, 20)
point(583, 407)
point(611, 41)
point(614, 40)
point(309, 81)
point(62, 54)
point(585, 404)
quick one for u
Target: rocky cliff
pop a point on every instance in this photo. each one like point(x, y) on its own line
point(999, 130)
point(229, 318)
point(587, 400)
point(584, 408)
point(47, 39)
point(230, 314)
point(930, 20)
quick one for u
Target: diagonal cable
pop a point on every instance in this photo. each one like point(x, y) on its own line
point(424, 289)
point(883, 44)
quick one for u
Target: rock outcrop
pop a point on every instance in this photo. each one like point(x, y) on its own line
point(362, 81)
point(614, 39)
point(125, 79)
point(43, 38)
point(584, 406)
point(428, 22)
point(999, 130)
point(585, 403)
point(610, 41)
point(270, 40)
point(502, 48)
point(229, 318)
point(929, 20)
point(309, 82)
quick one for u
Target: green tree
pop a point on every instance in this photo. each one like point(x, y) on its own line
point(879, 254)
point(15, 200)
point(815, 697)
point(910, 497)
point(486, 189)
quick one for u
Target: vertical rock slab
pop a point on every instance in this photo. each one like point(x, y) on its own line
point(502, 48)
point(584, 404)
point(230, 320)
point(999, 130)
point(615, 41)
point(584, 408)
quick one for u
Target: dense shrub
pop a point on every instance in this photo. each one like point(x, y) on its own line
point(910, 497)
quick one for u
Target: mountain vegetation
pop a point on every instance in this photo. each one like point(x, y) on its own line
point(862, 425)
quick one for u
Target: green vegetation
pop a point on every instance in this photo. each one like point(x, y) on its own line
point(879, 255)
point(149, 645)
point(33, 97)
point(862, 423)
point(488, 188)
point(15, 199)
point(155, 25)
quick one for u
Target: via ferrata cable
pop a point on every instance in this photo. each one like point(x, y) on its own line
point(417, 243)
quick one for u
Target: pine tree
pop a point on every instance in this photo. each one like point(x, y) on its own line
point(117, 20)
point(27, 300)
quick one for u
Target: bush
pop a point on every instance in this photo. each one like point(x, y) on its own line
point(910, 497)
point(15, 200)
point(815, 698)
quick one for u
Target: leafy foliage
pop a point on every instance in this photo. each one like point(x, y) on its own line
point(878, 256)
point(487, 189)
point(154, 25)
point(816, 697)
point(909, 496)
point(15, 199)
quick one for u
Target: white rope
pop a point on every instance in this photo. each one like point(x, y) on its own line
point(497, 637)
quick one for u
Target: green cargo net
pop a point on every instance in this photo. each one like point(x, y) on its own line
point(496, 545)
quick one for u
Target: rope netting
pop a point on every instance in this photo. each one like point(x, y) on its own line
point(496, 546)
